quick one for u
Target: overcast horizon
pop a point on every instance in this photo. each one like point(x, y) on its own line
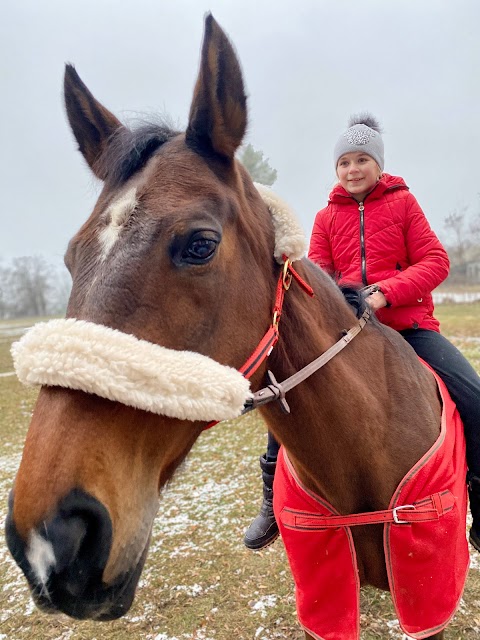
point(307, 66)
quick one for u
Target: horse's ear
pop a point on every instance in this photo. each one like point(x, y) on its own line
point(218, 114)
point(91, 123)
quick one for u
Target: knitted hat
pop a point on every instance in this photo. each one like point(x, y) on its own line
point(363, 134)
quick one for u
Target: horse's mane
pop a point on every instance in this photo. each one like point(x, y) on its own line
point(128, 150)
point(355, 298)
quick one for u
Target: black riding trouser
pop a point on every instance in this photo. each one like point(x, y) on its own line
point(461, 380)
point(272, 448)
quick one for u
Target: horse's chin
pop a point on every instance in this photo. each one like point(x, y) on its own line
point(97, 602)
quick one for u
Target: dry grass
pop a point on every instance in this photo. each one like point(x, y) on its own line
point(200, 583)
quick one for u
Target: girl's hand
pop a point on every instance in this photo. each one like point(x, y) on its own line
point(376, 301)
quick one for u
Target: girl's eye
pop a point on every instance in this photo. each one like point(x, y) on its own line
point(199, 250)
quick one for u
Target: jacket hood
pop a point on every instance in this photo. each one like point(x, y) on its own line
point(385, 183)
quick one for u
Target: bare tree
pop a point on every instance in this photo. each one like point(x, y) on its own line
point(463, 244)
point(475, 227)
point(61, 292)
point(4, 299)
point(30, 286)
point(29, 282)
point(458, 242)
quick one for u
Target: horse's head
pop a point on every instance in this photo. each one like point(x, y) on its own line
point(174, 264)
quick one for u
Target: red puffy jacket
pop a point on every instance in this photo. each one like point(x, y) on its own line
point(386, 240)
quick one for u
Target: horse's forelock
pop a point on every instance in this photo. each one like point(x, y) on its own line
point(129, 150)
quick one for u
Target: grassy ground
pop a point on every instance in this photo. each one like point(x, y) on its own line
point(200, 583)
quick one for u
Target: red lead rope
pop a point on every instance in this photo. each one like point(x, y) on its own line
point(269, 340)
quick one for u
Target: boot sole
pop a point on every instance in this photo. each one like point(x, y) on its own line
point(264, 545)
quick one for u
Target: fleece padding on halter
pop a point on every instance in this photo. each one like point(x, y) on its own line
point(290, 239)
point(111, 364)
point(117, 366)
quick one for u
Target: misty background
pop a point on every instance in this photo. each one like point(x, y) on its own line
point(307, 66)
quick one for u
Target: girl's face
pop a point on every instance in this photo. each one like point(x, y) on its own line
point(358, 173)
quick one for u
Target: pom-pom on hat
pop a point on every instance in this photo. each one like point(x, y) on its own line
point(363, 134)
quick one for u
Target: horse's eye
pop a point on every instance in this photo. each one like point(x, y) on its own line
point(199, 250)
point(195, 248)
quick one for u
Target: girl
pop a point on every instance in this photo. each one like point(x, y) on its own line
point(374, 233)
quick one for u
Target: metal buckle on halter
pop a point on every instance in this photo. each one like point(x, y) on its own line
point(396, 519)
point(287, 276)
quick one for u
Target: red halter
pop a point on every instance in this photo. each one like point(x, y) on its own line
point(269, 340)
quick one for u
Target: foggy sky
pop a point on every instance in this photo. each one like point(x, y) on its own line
point(307, 65)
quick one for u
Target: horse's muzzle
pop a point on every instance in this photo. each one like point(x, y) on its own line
point(64, 559)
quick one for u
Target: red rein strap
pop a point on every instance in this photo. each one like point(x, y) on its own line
point(270, 338)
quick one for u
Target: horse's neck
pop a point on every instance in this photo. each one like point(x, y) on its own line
point(340, 435)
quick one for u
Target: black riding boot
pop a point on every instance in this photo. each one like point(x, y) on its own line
point(474, 495)
point(264, 529)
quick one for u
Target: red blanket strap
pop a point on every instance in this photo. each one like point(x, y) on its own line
point(426, 510)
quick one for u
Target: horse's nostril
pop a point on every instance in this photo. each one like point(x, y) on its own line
point(66, 537)
point(80, 534)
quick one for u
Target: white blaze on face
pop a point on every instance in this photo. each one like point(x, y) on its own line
point(117, 215)
point(41, 557)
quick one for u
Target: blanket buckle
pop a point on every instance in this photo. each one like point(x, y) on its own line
point(396, 519)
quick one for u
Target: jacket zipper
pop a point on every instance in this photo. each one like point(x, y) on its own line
point(361, 209)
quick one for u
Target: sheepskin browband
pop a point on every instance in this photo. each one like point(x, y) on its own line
point(76, 354)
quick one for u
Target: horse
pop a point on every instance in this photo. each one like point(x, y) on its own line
point(175, 273)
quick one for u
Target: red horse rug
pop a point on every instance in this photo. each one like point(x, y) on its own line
point(425, 544)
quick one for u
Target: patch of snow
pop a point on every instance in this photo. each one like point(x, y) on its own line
point(66, 635)
point(191, 590)
point(262, 604)
point(395, 631)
